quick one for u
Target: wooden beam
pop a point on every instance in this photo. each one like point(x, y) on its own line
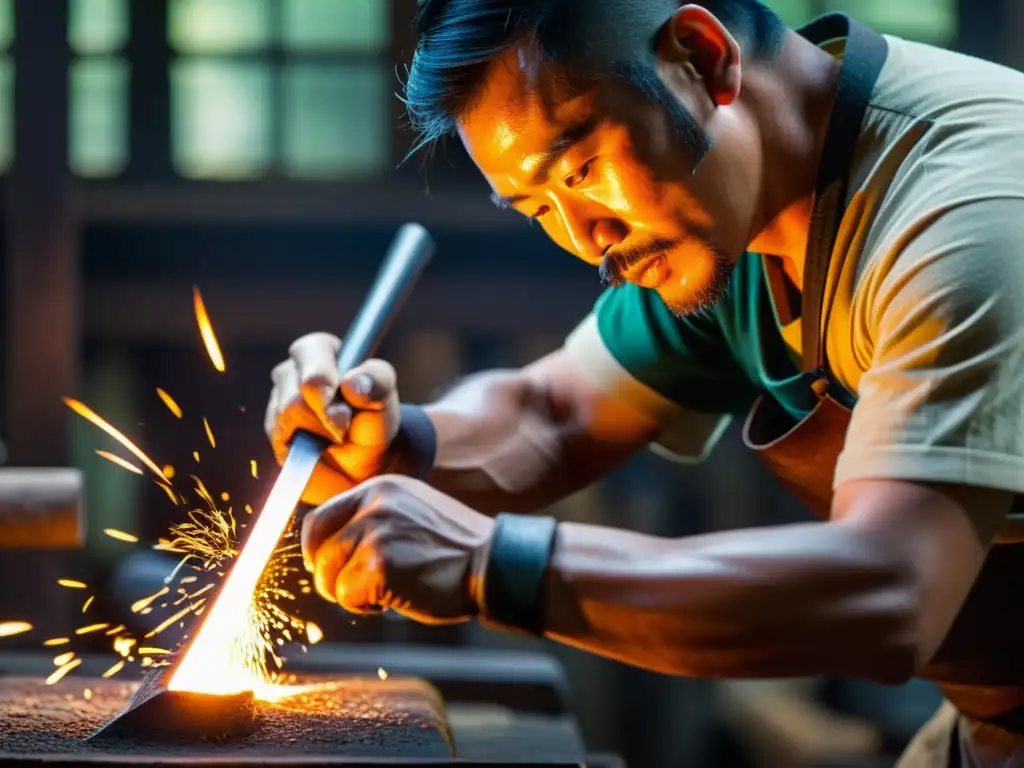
point(42, 292)
point(42, 236)
point(371, 203)
point(147, 312)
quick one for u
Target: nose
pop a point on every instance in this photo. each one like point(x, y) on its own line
point(589, 230)
point(607, 233)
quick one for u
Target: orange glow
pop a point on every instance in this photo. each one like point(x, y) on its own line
point(89, 415)
point(11, 628)
point(172, 406)
point(119, 461)
point(206, 331)
point(212, 664)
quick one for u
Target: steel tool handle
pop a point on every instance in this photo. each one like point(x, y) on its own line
point(410, 252)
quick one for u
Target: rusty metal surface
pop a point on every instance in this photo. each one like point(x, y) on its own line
point(343, 718)
point(41, 508)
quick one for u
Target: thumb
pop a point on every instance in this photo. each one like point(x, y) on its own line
point(358, 586)
point(369, 386)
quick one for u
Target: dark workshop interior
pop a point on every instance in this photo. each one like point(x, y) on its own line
point(253, 149)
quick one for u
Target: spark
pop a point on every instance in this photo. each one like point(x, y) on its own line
point(123, 463)
point(195, 455)
point(225, 496)
point(91, 628)
point(209, 433)
point(252, 468)
point(168, 471)
point(206, 331)
point(313, 633)
point(114, 669)
point(57, 641)
point(11, 628)
point(89, 415)
point(63, 659)
point(172, 406)
point(87, 694)
point(72, 584)
point(167, 622)
point(148, 651)
point(59, 674)
point(167, 489)
point(382, 673)
point(87, 603)
point(121, 535)
point(124, 645)
point(138, 605)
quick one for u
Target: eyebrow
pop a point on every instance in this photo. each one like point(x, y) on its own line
point(554, 152)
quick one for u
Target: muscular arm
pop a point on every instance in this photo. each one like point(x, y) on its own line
point(871, 594)
point(520, 440)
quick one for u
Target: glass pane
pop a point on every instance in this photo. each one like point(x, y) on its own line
point(336, 24)
point(220, 118)
point(6, 23)
point(98, 129)
point(97, 26)
point(928, 21)
point(6, 113)
point(795, 13)
point(219, 26)
point(337, 120)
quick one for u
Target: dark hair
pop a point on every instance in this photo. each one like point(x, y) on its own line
point(458, 39)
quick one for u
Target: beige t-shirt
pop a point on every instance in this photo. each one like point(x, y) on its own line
point(926, 327)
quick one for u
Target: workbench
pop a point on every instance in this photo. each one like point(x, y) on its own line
point(499, 709)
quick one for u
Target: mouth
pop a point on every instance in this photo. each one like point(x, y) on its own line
point(651, 272)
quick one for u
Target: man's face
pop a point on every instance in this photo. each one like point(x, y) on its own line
point(610, 179)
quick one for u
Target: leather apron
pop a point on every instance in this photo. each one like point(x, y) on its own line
point(802, 454)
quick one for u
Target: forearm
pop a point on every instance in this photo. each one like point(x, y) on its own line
point(504, 444)
point(815, 599)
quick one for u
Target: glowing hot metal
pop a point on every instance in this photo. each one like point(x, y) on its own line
point(206, 665)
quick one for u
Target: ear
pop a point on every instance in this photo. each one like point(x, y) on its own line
point(695, 37)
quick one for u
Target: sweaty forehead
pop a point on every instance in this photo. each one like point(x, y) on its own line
point(523, 104)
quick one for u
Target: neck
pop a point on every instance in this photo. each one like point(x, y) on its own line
point(791, 101)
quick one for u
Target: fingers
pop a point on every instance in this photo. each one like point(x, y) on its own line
point(323, 522)
point(325, 484)
point(372, 389)
point(315, 357)
point(304, 385)
point(368, 386)
point(358, 585)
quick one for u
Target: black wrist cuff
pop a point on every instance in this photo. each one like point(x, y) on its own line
point(415, 446)
point(513, 582)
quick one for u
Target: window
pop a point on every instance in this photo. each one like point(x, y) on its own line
point(98, 87)
point(297, 88)
point(6, 84)
point(926, 21)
